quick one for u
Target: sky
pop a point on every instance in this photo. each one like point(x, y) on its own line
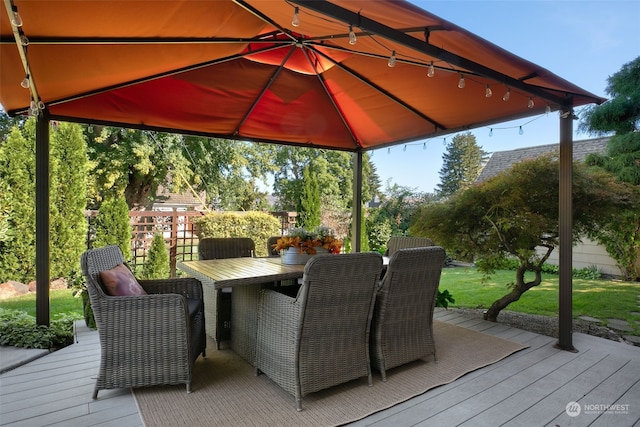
point(581, 41)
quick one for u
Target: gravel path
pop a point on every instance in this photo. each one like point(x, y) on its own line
point(545, 325)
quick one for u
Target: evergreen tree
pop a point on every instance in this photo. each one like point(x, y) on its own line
point(157, 264)
point(309, 210)
point(67, 195)
point(462, 163)
point(17, 178)
point(112, 225)
point(68, 198)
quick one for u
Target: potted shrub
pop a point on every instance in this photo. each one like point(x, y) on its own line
point(300, 244)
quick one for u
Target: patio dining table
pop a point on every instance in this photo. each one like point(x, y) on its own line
point(247, 276)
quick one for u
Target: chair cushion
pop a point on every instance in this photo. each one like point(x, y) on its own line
point(195, 306)
point(119, 282)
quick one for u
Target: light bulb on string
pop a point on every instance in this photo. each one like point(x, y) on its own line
point(530, 104)
point(424, 146)
point(507, 95)
point(444, 141)
point(352, 36)
point(16, 20)
point(389, 150)
point(25, 83)
point(488, 92)
point(33, 107)
point(432, 71)
point(490, 131)
point(24, 40)
point(520, 131)
point(296, 17)
point(547, 109)
point(461, 82)
point(41, 105)
point(392, 59)
point(404, 148)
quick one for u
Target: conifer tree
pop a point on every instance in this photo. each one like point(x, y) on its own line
point(462, 163)
point(157, 264)
point(310, 201)
point(112, 225)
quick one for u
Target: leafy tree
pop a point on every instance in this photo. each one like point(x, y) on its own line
point(516, 212)
point(334, 172)
point(309, 208)
point(398, 206)
point(621, 114)
point(463, 162)
point(135, 163)
point(112, 225)
point(157, 264)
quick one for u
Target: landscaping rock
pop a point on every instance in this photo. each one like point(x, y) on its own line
point(619, 325)
point(12, 289)
point(590, 319)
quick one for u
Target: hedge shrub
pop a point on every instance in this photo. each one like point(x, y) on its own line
point(258, 226)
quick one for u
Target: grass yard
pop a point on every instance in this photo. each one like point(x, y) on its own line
point(60, 301)
point(603, 299)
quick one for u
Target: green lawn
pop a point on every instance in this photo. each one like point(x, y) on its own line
point(603, 299)
point(60, 301)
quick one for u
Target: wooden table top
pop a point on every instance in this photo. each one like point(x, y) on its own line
point(230, 272)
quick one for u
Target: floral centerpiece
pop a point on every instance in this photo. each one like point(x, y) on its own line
point(308, 242)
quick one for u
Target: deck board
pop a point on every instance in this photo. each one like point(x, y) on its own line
point(530, 387)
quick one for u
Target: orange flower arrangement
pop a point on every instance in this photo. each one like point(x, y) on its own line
point(308, 241)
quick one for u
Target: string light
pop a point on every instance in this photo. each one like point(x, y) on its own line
point(392, 59)
point(25, 83)
point(488, 92)
point(507, 95)
point(424, 146)
point(490, 131)
point(432, 71)
point(520, 131)
point(16, 20)
point(389, 150)
point(352, 36)
point(531, 104)
point(547, 109)
point(24, 40)
point(296, 17)
point(461, 82)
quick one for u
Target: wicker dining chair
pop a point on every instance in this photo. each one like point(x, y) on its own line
point(320, 338)
point(402, 325)
point(218, 307)
point(145, 340)
point(404, 242)
point(270, 249)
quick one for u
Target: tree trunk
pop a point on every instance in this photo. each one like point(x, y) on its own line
point(520, 288)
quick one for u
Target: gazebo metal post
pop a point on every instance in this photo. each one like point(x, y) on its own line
point(42, 218)
point(565, 224)
point(356, 209)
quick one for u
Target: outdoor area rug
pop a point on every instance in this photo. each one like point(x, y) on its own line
point(226, 391)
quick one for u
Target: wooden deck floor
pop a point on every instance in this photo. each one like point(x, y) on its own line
point(529, 388)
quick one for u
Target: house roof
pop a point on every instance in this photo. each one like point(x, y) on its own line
point(503, 160)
